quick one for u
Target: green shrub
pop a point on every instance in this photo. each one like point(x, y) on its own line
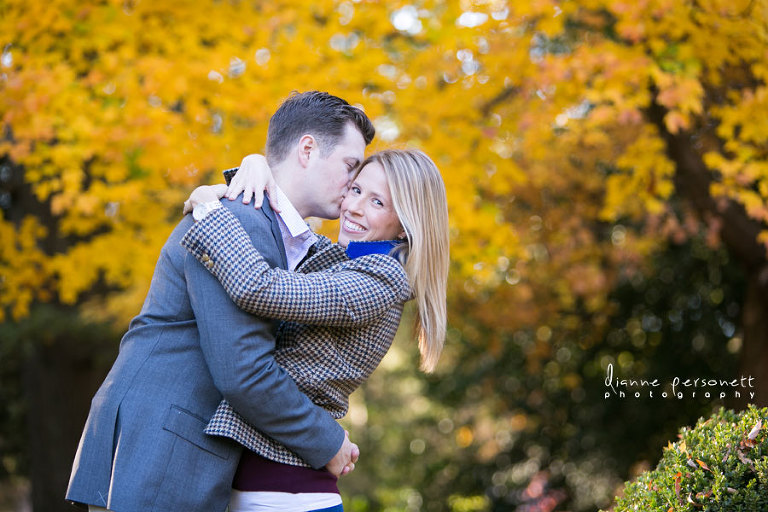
point(719, 465)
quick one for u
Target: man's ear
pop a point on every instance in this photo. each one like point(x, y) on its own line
point(307, 148)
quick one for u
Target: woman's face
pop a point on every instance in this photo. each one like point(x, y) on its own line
point(367, 212)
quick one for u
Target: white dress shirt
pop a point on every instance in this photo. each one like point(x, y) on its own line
point(297, 237)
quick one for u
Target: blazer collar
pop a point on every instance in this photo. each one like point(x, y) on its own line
point(275, 225)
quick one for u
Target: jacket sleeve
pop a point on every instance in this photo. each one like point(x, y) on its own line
point(352, 294)
point(238, 349)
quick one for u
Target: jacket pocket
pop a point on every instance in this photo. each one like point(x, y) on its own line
point(190, 427)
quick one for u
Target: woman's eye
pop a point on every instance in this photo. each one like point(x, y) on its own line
point(377, 202)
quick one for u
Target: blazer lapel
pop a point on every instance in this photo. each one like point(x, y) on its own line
point(323, 256)
point(275, 225)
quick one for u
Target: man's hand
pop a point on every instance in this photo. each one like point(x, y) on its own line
point(344, 460)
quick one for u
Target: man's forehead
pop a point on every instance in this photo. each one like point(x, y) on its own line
point(352, 149)
point(353, 134)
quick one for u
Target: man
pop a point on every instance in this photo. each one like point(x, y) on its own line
point(143, 447)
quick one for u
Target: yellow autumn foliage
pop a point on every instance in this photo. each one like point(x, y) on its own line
point(540, 115)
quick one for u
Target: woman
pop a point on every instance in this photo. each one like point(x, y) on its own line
point(393, 245)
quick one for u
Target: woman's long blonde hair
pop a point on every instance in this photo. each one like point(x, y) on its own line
point(418, 197)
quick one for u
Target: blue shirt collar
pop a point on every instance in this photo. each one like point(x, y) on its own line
point(357, 249)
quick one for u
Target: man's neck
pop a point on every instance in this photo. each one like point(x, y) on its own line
point(284, 180)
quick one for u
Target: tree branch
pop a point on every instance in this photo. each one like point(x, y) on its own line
point(692, 182)
point(499, 98)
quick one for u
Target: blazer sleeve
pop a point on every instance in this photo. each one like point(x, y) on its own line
point(348, 295)
point(238, 349)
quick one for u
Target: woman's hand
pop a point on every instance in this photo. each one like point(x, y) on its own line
point(253, 178)
point(204, 194)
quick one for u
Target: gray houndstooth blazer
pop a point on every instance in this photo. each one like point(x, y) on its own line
point(339, 317)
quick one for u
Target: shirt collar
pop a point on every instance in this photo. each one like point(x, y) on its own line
point(356, 249)
point(290, 216)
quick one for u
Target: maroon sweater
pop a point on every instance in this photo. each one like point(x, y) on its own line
point(255, 473)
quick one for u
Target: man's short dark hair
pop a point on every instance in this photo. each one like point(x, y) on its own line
point(319, 114)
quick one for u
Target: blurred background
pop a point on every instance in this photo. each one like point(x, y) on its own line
point(606, 169)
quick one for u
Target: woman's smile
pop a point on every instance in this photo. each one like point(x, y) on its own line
point(350, 225)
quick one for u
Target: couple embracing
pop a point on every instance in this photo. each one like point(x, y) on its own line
point(255, 330)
